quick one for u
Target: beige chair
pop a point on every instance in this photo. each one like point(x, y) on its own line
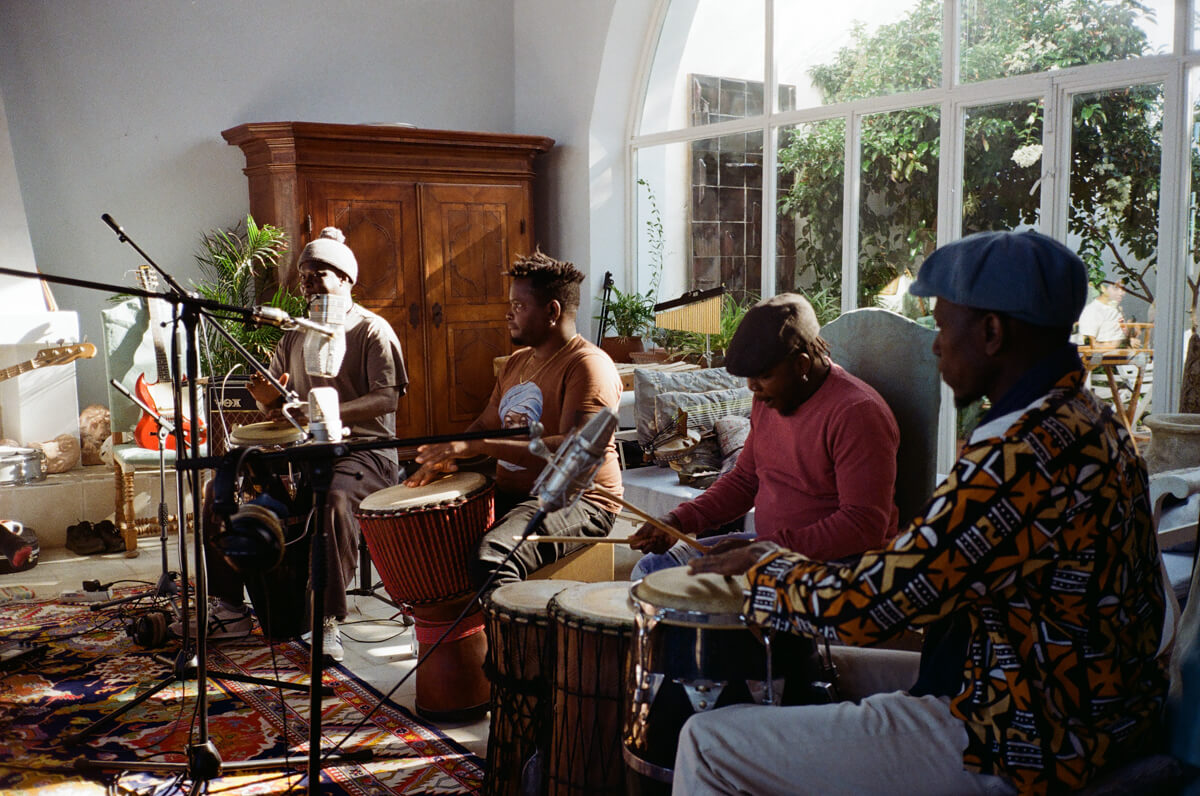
point(895, 356)
point(128, 352)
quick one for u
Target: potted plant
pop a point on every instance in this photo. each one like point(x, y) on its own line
point(238, 267)
point(629, 316)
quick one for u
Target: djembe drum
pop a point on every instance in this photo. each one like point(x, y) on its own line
point(593, 629)
point(420, 539)
point(520, 666)
point(273, 592)
point(694, 653)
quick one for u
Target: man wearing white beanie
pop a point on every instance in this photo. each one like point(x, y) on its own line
point(369, 381)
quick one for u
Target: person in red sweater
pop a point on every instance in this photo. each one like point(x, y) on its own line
point(819, 465)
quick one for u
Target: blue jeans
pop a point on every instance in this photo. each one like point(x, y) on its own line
point(678, 555)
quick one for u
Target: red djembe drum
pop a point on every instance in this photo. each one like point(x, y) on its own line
point(420, 539)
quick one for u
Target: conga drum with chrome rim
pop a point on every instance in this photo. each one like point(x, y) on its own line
point(520, 666)
point(694, 653)
point(593, 628)
point(420, 539)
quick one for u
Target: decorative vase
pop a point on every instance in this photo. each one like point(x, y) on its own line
point(619, 348)
point(1174, 441)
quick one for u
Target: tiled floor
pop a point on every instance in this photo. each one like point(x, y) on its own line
point(377, 649)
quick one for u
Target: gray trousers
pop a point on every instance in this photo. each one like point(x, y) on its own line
point(880, 741)
point(513, 513)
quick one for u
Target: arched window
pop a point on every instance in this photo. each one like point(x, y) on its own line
point(829, 147)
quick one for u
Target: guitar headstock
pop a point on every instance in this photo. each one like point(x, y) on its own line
point(62, 354)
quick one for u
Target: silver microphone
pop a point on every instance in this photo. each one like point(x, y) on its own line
point(323, 354)
point(574, 465)
point(274, 316)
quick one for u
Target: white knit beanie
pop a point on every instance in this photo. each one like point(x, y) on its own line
point(330, 248)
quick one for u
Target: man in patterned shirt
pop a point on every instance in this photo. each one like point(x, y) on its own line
point(1033, 570)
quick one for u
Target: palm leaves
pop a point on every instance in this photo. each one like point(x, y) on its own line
point(238, 267)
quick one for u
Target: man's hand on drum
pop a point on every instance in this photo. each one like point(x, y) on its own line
point(263, 391)
point(649, 539)
point(731, 557)
point(437, 459)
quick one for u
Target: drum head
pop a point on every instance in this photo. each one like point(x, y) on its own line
point(443, 490)
point(677, 448)
point(677, 590)
point(268, 432)
point(527, 597)
point(599, 603)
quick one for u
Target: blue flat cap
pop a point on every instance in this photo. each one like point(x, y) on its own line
point(1026, 275)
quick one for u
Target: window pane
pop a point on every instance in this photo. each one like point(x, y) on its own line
point(1002, 166)
point(843, 51)
point(700, 215)
point(808, 227)
point(663, 212)
point(898, 210)
point(1017, 37)
point(1116, 140)
point(1190, 393)
point(727, 213)
point(716, 40)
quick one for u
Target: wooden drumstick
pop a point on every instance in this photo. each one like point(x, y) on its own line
point(657, 523)
point(573, 539)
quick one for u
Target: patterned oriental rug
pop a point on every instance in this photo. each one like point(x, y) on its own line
point(91, 667)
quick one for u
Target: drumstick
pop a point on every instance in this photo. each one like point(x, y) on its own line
point(573, 539)
point(657, 523)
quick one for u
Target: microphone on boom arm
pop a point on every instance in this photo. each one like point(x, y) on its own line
point(573, 466)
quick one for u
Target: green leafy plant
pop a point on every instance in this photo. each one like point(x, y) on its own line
point(629, 314)
point(238, 267)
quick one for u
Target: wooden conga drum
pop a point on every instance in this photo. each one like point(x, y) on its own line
point(593, 627)
point(520, 666)
point(420, 539)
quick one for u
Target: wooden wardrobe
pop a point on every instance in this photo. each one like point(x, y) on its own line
point(433, 218)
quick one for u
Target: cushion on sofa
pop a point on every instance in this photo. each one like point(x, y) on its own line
point(648, 384)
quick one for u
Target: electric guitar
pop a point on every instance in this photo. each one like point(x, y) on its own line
point(58, 355)
point(158, 395)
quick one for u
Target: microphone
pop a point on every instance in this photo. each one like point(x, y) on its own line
point(323, 353)
point(277, 317)
point(575, 462)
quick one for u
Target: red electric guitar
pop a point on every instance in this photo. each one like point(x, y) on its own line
point(158, 395)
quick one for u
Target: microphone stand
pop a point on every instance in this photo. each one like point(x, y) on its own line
point(166, 580)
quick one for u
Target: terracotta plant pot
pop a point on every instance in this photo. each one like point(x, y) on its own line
point(619, 348)
point(651, 357)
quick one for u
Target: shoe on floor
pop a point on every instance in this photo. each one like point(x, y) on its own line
point(224, 621)
point(331, 640)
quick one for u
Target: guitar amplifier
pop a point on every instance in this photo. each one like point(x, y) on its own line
point(230, 405)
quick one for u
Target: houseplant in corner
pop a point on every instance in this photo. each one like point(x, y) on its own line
point(629, 316)
point(238, 267)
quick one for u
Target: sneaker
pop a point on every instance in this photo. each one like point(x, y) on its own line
point(331, 640)
point(224, 621)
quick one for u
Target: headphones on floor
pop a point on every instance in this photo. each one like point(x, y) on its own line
point(150, 629)
point(252, 535)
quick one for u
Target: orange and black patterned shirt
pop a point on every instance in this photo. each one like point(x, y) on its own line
point(1040, 538)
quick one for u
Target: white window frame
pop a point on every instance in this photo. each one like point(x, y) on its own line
point(1057, 90)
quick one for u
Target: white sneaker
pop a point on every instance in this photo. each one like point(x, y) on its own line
point(331, 640)
point(224, 621)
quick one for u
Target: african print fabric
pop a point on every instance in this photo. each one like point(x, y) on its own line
point(1042, 538)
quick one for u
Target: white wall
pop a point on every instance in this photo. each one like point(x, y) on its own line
point(116, 106)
